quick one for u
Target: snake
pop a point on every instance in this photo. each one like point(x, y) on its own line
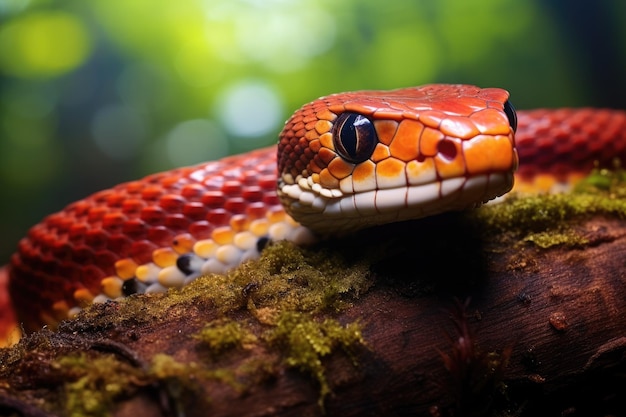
point(343, 162)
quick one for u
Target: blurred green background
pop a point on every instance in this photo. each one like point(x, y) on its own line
point(93, 93)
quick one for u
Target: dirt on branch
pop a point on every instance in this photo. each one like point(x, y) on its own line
point(513, 309)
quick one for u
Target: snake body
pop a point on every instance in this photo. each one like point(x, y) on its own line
point(343, 162)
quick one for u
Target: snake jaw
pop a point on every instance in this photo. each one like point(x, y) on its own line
point(346, 213)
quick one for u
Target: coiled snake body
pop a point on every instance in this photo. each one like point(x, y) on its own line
point(345, 162)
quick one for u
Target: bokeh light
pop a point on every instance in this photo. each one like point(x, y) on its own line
point(249, 109)
point(43, 44)
point(118, 131)
point(195, 141)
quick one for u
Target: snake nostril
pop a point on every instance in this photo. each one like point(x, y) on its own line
point(447, 149)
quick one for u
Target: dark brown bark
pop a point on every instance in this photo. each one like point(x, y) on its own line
point(466, 319)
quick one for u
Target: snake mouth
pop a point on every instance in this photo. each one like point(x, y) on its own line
point(346, 213)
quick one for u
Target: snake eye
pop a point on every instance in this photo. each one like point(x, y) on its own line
point(509, 110)
point(354, 137)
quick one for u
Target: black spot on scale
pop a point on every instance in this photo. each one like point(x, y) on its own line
point(184, 263)
point(132, 286)
point(262, 243)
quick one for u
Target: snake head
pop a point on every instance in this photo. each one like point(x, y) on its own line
point(353, 160)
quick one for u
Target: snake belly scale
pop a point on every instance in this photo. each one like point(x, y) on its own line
point(343, 162)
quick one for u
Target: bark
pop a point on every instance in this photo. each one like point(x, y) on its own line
point(453, 315)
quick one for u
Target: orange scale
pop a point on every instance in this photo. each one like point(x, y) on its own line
point(315, 145)
point(491, 122)
point(326, 141)
point(390, 173)
point(327, 180)
point(83, 296)
point(239, 222)
point(340, 169)
point(432, 118)
point(276, 215)
point(386, 130)
point(336, 108)
point(298, 126)
point(361, 107)
point(325, 156)
point(164, 257)
point(405, 144)
point(485, 154)
point(311, 134)
point(296, 119)
point(388, 114)
point(183, 243)
point(308, 112)
point(311, 125)
point(313, 167)
point(325, 114)
point(450, 162)
point(459, 127)
point(429, 141)
point(380, 152)
point(125, 268)
point(223, 235)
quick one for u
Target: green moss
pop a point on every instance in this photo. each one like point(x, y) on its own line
point(181, 374)
point(95, 383)
point(223, 334)
point(306, 341)
point(545, 219)
point(548, 239)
